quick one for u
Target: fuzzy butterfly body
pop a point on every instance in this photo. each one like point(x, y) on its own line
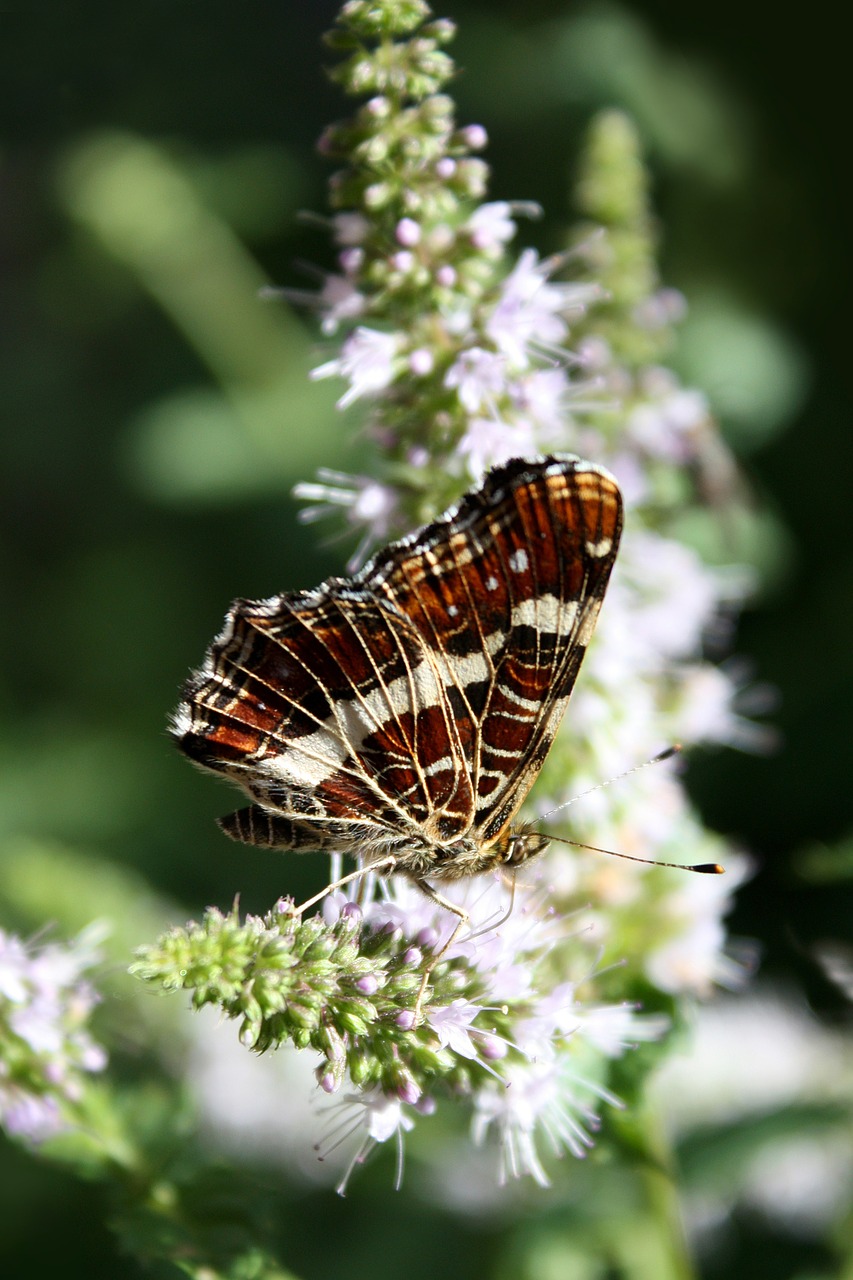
point(403, 714)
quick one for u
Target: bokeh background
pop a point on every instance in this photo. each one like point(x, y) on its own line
point(155, 159)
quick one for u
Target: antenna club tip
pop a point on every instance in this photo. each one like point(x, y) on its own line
point(709, 868)
point(668, 753)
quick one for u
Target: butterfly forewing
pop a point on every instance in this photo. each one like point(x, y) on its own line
point(416, 701)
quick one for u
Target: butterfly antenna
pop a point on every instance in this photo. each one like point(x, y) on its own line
point(667, 754)
point(704, 868)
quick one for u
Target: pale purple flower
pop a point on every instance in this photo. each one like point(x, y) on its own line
point(535, 1102)
point(36, 1023)
point(370, 1117)
point(714, 706)
point(487, 442)
point(404, 907)
point(339, 301)
point(666, 595)
point(351, 260)
point(350, 228)
point(31, 1117)
point(45, 1046)
point(367, 361)
point(626, 465)
point(475, 137)
point(594, 354)
point(541, 394)
point(367, 984)
point(661, 310)
point(613, 1028)
point(491, 225)
point(691, 957)
point(369, 505)
point(421, 362)
point(510, 932)
point(14, 962)
point(666, 425)
point(381, 1116)
point(337, 904)
point(706, 707)
point(530, 314)
point(408, 232)
point(452, 1025)
point(479, 378)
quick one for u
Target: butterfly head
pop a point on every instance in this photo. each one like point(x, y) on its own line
point(519, 846)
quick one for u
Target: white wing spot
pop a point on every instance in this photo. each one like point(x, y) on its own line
point(599, 549)
point(452, 611)
point(546, 613)
point(492, 583)
point(519, 561)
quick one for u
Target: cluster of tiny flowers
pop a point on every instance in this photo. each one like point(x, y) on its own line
point(45, 1045)
point(484, 353)
point(458, 351)
point(500, 1022)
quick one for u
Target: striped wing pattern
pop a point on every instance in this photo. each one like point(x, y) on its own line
point(408, 710)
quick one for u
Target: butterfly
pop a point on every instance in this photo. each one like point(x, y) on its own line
point(402, 715)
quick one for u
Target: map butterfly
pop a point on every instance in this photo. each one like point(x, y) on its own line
point(403, 714)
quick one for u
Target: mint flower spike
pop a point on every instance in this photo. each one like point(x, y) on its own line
point(459, 353)
point(46, 1049)
point(463, 351)
point(345, 985)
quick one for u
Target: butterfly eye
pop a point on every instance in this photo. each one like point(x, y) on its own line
point(516, 850)
point(524, 845)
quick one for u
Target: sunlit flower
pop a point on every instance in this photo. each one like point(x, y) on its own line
point(339, 301)
point(538, 1103)
point(667, 419)
point(369, 506)
point(487, 442)
point(366, 361)
point(491, 225)
point(530, 315)
point(452, 1025)
point(368, 1119)
point(478, 377)
point(350, 227)
point(479, 354)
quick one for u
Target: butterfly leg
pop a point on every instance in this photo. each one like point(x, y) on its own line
point(384, 866)
point(464, 918)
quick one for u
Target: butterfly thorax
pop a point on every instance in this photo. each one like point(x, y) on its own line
point(467, 856)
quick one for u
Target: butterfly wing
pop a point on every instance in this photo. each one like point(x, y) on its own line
point(506, 591)
point(318, 704)
point(416, 701)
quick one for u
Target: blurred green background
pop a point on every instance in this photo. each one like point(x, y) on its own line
point(155, 160)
